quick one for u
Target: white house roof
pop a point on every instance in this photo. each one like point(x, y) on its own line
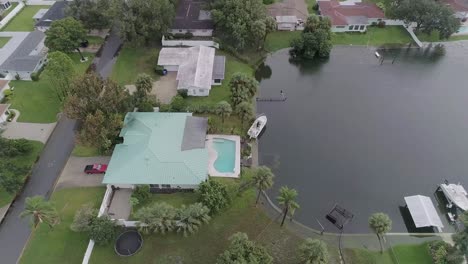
point(423, 211)
point(195, 65)
point(286, 19)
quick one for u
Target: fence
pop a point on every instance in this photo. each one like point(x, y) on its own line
point(189, 43)
point(11, 15)
point(40, 2)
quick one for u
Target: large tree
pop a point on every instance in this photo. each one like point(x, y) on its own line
point(241, 23)
point(262, 179)
point(245, 111)
point(60, 73)
point(429, 15)
point(287, 199)
point(223, 109)
point(315, 39)
point(144, 85)
point(101, 130)
point(242, 87)
point(314, 251)
point(380, 223)
point(461, 237)
point(40, 211)
point(190, 218)
point(94, 14)
point(142, 21)
point(213, 195)
point(243, 250)
point(65, 35)
point(157, 218)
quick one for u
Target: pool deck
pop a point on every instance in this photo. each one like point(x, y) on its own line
point(213, 155)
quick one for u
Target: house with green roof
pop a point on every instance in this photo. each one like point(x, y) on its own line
point(164, 150)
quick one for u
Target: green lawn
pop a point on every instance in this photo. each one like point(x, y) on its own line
point(13, 5)
point(3, 41)
point(61, 245)
point(95, 40)
point(434, 37)
point(374, 36)
point(310, 6)
point(85, 151)
point(27, 160)
point(132, 61)
point(414, 254)
point(23, 21)
point(37, 101)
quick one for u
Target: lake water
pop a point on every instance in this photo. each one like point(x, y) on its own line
point(363, 135)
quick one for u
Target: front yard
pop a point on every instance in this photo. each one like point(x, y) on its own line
point(27, 160)
point(37, 101)
point(61, 245)
point(23, 21)
point(133, 61)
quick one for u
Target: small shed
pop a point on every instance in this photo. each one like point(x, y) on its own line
point(286, 22)
point(423, 212)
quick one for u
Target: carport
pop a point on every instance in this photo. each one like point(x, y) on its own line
point(423, 212)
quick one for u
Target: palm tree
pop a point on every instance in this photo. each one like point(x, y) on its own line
point(381, 224)
point(245, 112)
point(190, 218)
point(223, 109)
point(157, 218)
point(263, 180)
point(313, 251)
point(287, 198)
point(40, 211)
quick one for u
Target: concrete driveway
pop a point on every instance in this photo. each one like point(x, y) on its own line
point(30, 131)
point(73, 175)
point(165, 88)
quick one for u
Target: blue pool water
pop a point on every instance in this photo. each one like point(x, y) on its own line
point(463, 29)
point(226, 154)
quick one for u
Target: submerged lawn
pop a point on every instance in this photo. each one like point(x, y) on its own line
point(27, 161)
point(434, 37)
point(37, 101)
point(61, 245)
point(23, 21)
point(133, 61)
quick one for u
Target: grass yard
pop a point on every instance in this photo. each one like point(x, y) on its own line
point(61, 245)
point(414, 254)
point(37, 101)
point(27, 160)
point(13, 6)
point(434, 37)
point(85, 151)
point(3, 41)
point(133, 61)
point(23, 21)
point(95, 40)
point(310, 6)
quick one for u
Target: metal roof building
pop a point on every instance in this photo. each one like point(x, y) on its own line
point(160, 149)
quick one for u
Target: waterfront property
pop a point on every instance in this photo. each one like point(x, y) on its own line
point(197, 68)
point(223, 155)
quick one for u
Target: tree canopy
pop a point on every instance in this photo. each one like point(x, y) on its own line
point(262, 179)
point(11, 173)
point(429, 15)
point(60, 72)
point(380, 223)
point(287, 199)
point(242, 87)
point(65, 35)
point(315, 40)
point(141, 21)
point(243, 250)
point(213, 195)
point(223, 109)
point(314, 251)
point(241, 23)
point(94, 14)
point(40, 211)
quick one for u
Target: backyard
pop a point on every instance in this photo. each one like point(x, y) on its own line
point(23, 21)
point(60, 244)
point(28, 161)
point(133, 61)
point(37, 101)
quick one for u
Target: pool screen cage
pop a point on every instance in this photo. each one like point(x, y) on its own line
point(339, 216)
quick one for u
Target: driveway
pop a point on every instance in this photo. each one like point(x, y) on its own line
point(30, 131)
point(165, 88)
point(73, 175)
point(15, 232)
point(108, 57)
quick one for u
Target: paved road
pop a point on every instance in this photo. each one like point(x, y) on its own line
point(108, 57)
point(14, 232)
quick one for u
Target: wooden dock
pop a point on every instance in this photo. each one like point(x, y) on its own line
point(271, 99)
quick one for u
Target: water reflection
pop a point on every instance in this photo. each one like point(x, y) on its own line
point(263, 72)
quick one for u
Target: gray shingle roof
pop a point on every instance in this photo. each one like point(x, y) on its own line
point(194, 133)
point(56, 12)
point(190, 15)
point(219, 66)
point(27, 55)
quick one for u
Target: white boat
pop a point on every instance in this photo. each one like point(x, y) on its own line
point(455, 194)
point(257, 126)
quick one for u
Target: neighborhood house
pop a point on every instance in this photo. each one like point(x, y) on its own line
point(192, 18)
point(197, 68)
point(27, 57)
point(350, 16)
point(55, 12)
point(289, 14)
point(4, 5)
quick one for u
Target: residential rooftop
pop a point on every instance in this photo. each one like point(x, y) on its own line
point(27, 54)
point(192, 15)
point(349, 13)
point(55, 12)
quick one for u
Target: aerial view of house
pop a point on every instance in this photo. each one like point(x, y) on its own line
point(192, 17)
point(45, 17)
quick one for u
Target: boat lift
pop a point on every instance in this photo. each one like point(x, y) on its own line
point(423, 212)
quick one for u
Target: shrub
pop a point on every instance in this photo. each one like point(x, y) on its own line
point(35, 76)
point(314, 251)
point(165, 108)
point(7, 93)
point(188, 35)
point(190, 218)
point(159, 70)
point(214, 195)
point(11, 183)
point(183, 93)
point(268, 2)
point(17, 77)
point(23, 146)
point(444, 253)
point(179, 35)
point(145, 106)
point(381, 24)
point(157, 218)
point(142, 193)
point(316, 7)
point(102, 230)
point(243, 250)
point(83, 218)
point(178, 104)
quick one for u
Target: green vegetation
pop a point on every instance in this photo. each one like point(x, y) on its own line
point(85, 151)
point(310, 6)
point(434, 37)
point(26, 160)
point(3, 41)
point(414, 254)
point(133, 61)
point(23, 21)
point(68, 246)
point(95, 40)
point(13, 6)
point(37, 101)
point(174, 199)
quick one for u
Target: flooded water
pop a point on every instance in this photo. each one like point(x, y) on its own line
point(363, 135)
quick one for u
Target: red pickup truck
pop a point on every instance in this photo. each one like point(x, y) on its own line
point(95, 169)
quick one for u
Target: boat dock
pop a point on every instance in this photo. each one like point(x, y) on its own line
point(455, 194)
point(271, 99)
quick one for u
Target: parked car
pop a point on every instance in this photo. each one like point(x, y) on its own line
point(95, 169)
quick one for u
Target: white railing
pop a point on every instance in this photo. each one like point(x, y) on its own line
point(11, 15)
point(40, 2)
point(189, 43)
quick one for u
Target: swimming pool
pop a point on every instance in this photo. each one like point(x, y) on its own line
point(226, 154)
point(463, 30)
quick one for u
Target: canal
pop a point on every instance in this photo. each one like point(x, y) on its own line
point(364, 135)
